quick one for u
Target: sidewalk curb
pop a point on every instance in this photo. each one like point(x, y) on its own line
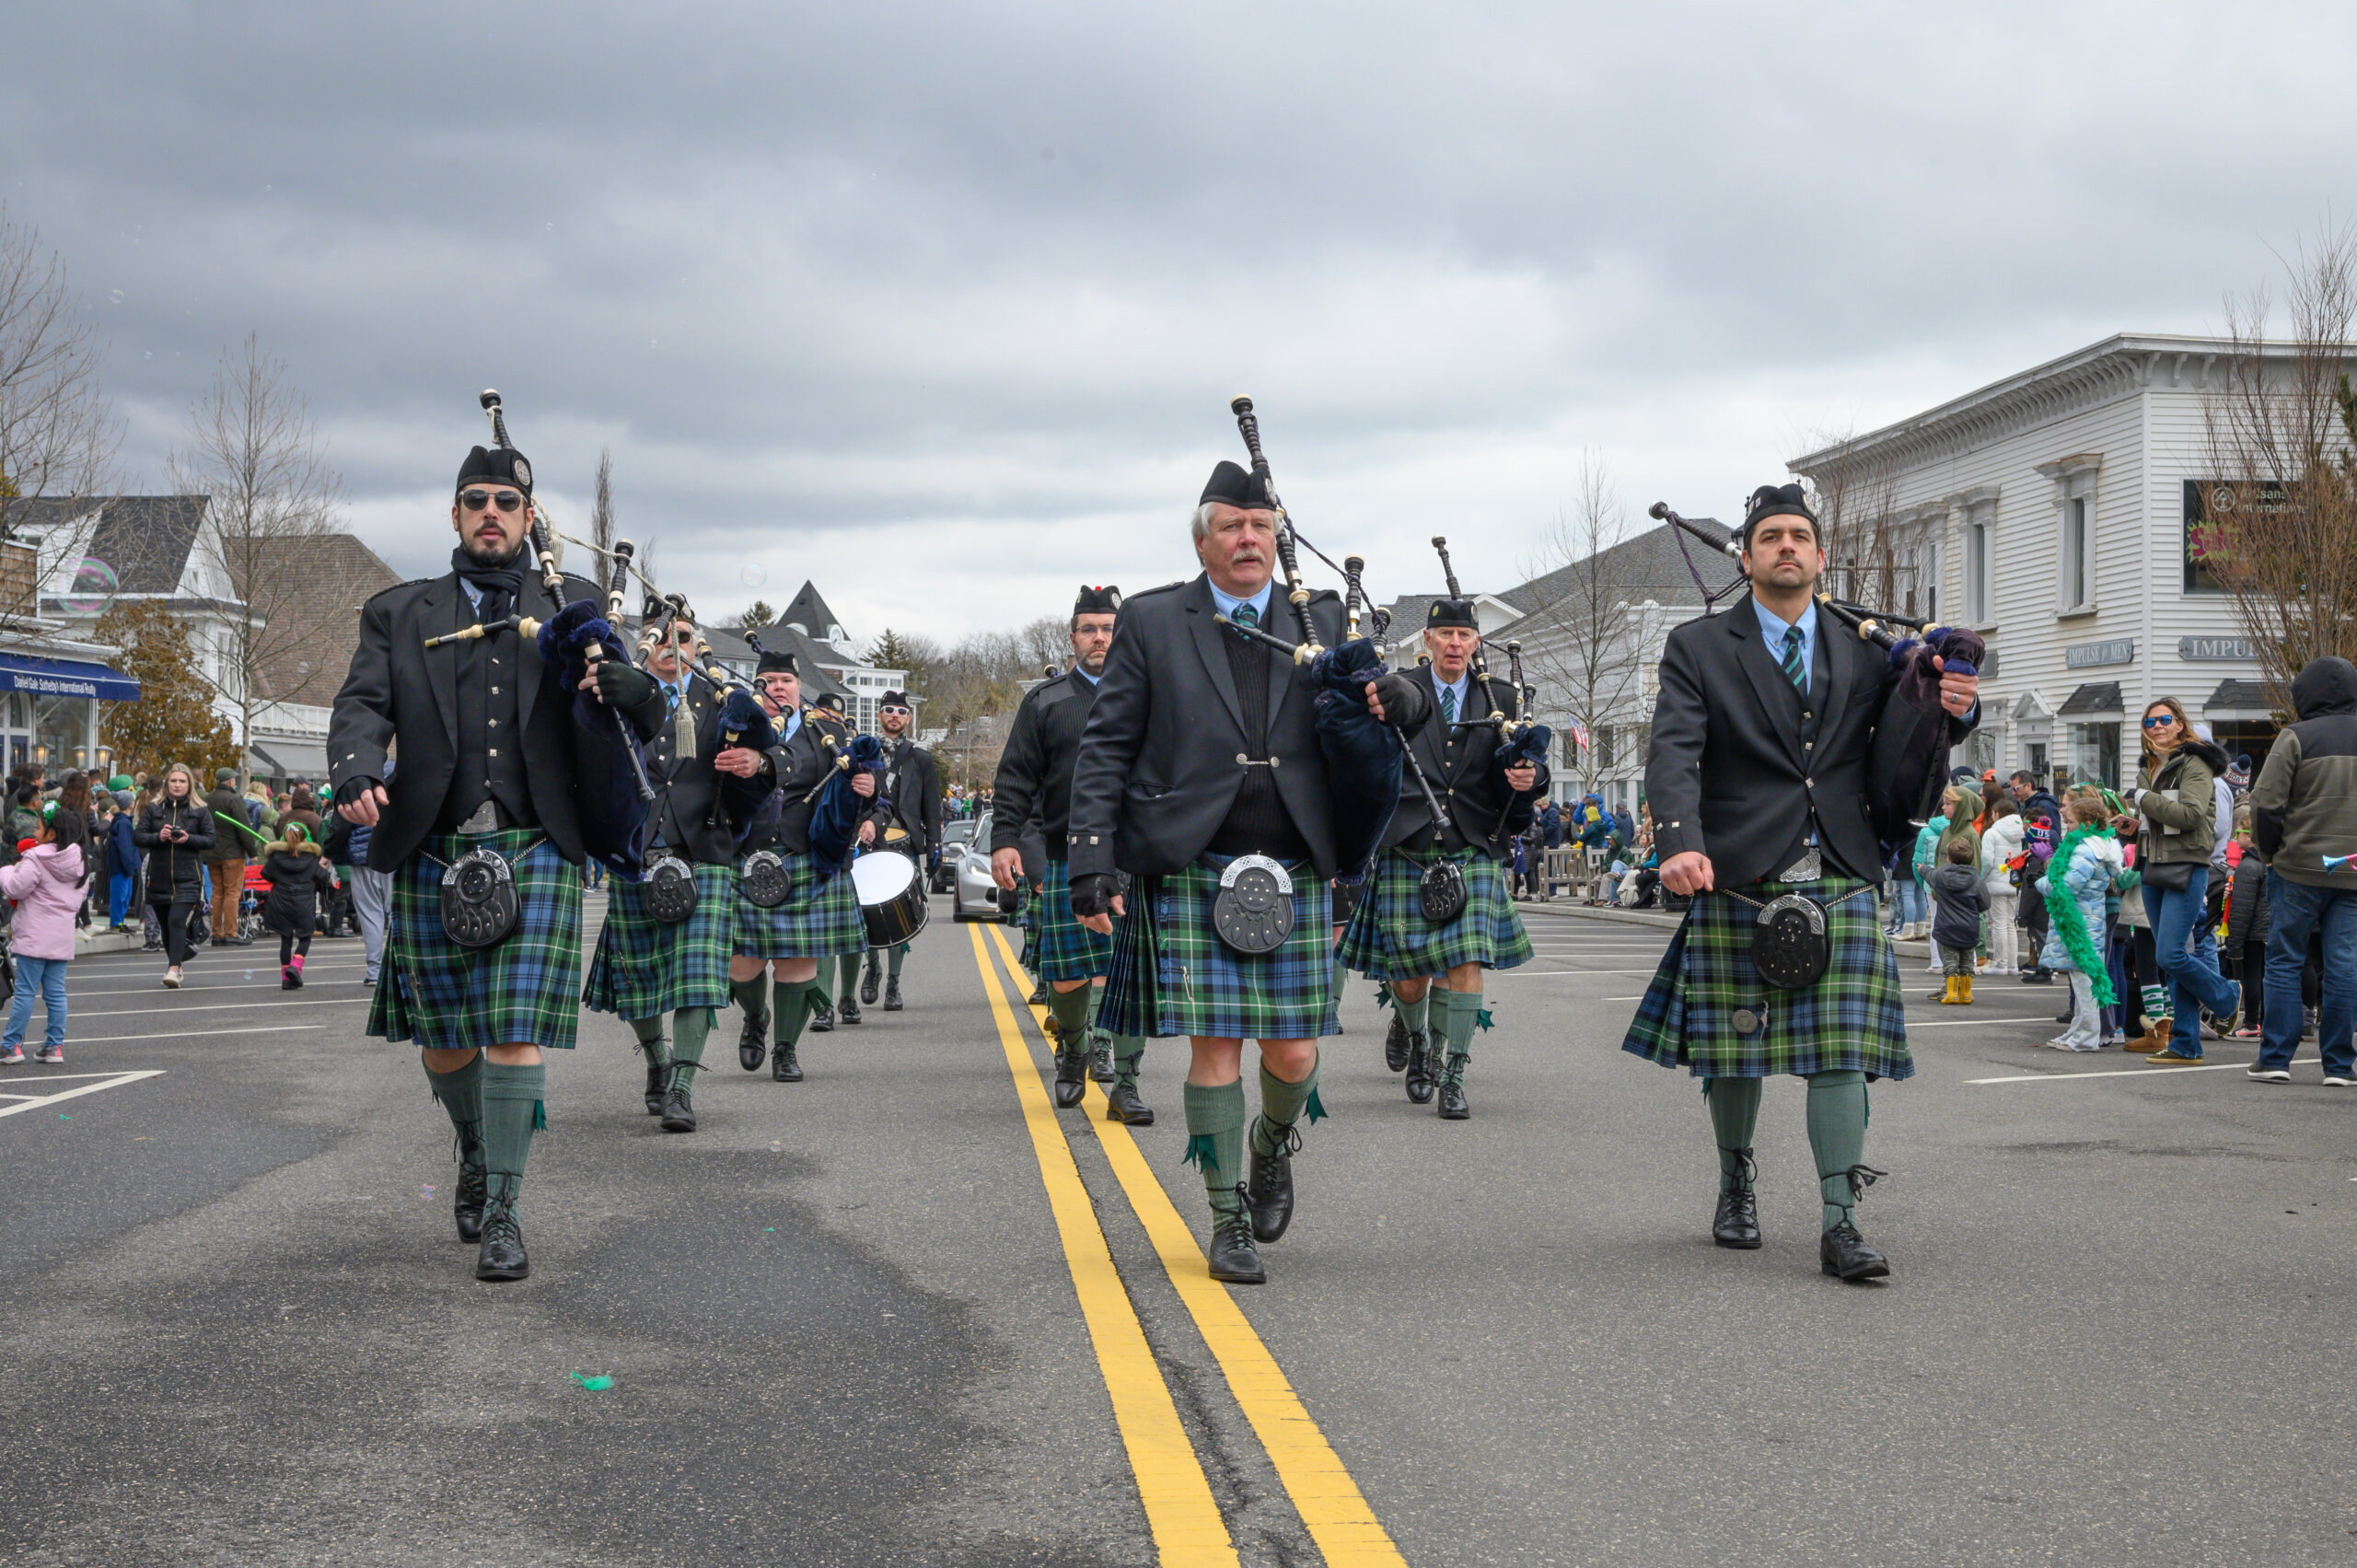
point(1665, 922)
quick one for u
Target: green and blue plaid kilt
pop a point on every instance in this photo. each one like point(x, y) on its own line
point(816, 921)
point(1064, 949)
point(1172, 975)
point(1389, 938)
point(1708, 1012)
point(524, 988)
point(644, 966)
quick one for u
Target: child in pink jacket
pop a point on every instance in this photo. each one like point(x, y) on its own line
point(50, 887)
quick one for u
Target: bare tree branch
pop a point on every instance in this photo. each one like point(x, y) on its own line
point(1582, 645)
point(58, 432)
point(252, 448)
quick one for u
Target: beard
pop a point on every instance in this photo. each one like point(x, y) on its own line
point(486, 554)
point(1094, 666)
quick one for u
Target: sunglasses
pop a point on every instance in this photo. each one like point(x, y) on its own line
point(476, 499)
point(2158, 720)
point(892, 710)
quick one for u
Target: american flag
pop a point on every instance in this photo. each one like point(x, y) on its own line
point(1579, 734)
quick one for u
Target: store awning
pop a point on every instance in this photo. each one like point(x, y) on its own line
point(2238, 698)
point(283, 758)
point(2095, 697)
point(65, 678)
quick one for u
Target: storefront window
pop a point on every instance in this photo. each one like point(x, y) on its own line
point(62, 725)
point(2094, 756)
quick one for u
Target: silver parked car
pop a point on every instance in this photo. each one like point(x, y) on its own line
point(975, 896)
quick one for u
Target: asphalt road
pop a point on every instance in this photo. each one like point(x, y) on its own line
point(903, 1312)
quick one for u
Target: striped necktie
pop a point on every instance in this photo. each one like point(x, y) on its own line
point(1246, 616)
point(1795, 671)
point(1448, 704)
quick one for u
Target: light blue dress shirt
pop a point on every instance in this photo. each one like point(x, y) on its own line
point(1225, 602)
point(1460, 686)
point(1773, 627)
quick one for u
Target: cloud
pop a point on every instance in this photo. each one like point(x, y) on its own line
point(940, 305)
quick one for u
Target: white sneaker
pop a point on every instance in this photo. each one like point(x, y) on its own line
point(2331, 1082)
point(2058, 1043)
point(2272, 1076)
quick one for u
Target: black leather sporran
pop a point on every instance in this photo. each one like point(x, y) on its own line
point(1789, 945)
point(766, 882)
point(1253, 911)
point(670, 889)
point(479, 899)
point(1441, 893)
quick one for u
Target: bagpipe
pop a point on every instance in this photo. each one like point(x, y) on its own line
point(609, 770)
point(1363, 753)
point(1522, 741)
point(1909, 763)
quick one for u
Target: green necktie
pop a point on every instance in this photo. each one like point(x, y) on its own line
point(1448, 704)
point(1793, 669)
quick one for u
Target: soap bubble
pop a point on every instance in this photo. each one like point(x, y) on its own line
point(752, 574)
point(115, 295)
point(92, 587)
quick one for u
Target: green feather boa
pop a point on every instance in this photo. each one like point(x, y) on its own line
point(2063, 910)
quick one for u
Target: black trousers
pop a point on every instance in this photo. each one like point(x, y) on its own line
point(289, 945)
point(174, 918)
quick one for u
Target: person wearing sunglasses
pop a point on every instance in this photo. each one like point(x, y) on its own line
point(646, 966)
point(2175, 801)
point(911, 825)
point(497, 760)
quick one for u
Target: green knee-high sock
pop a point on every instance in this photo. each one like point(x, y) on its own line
point(1417, 1013)
point(824, 984)
point(1095, 1000)
point(461, 1092)
point(1342, 975)
point(1461, 1010)
point(753, 995)
point(1281, 1105)
point(511, 1108)
point(1215, 1139)
point(650, 1039)
point(1070, 1010)
point(850, 966)
point(1837, 1133)
point(688, 1027)
point(1128, 1052)
point(1734, 1114)
point(796, 1001)
point(892, 964)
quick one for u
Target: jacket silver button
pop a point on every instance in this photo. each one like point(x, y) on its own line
point(1241, 759)
point(1810, 783)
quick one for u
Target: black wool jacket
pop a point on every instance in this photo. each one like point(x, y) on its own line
point(1164, 755)
point(686, 787)
point(911, 783)
point(1034, 775)
point(795, 769)
point(399, 687)
point(1459, 764)
point(174, 866)
point(1732, 771)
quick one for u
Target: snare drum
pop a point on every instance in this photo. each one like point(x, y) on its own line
point(891, 898)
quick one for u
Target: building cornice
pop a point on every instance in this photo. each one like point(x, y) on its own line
point(2104, 372)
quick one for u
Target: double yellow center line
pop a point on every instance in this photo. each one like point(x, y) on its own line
point(1179, 1508)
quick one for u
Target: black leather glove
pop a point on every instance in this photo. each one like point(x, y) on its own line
point(1092, 893)
point(353, 788)
point(623, 685)
point(1404, 705)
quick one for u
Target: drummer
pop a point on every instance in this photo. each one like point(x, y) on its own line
point(820, 917)
point(910, 810)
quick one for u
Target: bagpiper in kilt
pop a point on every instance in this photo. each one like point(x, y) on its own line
point(908, 818)
point(819, 921)
point(512, 768)
point(1202, 752)
point(1771, 725)
point(1034, 783)
point(1391, 938)
point(646, 965)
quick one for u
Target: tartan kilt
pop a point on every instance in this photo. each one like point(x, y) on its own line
point(1172, 975)
point(644, 966)
point(1389, 938)
point(524, 988)
point(816, 921)
point(1064, 949)
point(1851, 1019)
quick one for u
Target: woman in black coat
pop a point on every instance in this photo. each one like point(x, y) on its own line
point(175, 831)
point(299, 875)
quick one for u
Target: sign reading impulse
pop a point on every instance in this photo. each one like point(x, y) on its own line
point(2086, 655)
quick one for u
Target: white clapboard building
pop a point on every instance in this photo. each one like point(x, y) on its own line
point(2057, 512)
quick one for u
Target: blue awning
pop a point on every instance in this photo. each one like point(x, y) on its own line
point(65, 678)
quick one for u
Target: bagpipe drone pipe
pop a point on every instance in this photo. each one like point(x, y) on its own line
point(1908, 765)
point(1363, 754)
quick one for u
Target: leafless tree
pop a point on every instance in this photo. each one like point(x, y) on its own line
point(1856, 497)
point(2279, 527)
point(1583, 643)
point(252, 448)
point(58, 431)
point(601, 512)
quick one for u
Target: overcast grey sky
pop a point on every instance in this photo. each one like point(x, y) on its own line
point(941, 306)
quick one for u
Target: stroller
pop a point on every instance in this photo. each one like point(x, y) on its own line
point(249, 901)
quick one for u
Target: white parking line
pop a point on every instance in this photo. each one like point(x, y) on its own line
point(218, 1008)
point(2159, 1072)
point(116, 1082)
point(211, 1033)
